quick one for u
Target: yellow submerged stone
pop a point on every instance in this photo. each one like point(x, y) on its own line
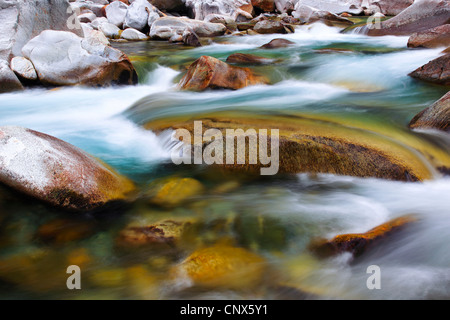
point(223, 266)
point(174, 190)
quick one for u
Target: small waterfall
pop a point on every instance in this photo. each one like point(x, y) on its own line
point(363, 30)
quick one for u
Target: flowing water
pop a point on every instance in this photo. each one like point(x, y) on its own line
point(354, 79)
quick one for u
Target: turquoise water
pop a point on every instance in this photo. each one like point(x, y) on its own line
point(363, 80)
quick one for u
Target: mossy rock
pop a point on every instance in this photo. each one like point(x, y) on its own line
point(173, 191)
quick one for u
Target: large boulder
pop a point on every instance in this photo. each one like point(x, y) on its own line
point(420, 16)
point(232, 8)
point(317, 144)
point(431, 38)
point(169, 5)
point(133, 35)
point(166, 27)
point(436, 71)
point(222, 266)
point(436, 116)
point(333, 6)
point(57, 172)
point(211, 73)
point(63, 58)
point(23, 20)
point(8, 79)
point(23, 68)
point(358, 243)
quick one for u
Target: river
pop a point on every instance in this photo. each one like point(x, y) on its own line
point(358, 80)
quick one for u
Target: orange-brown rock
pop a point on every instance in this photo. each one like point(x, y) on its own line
point(357, 243)
point(211, 73)
point(57, 172)
point(436, 116)
point(248, 59)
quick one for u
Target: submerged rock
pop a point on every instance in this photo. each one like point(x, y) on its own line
point(63, 58)
point(436, 116)
point(211, 73)
point(420, 16)
point(431, 38)
point(277, 43)
point(436, 71)
point(248, 59)
point(318, 144)
point(133, 35)
point(174, 191)
point(358, 243)
point(269, 26)
point(56, 172)
point(222, 266)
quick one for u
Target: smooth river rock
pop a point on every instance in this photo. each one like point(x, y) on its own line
point(23, 19)
point(211, 73)
point(420, 16)
point(63, 58)
point(166, 27)
point(232, 8)
point(322, 144)
point(431, 38)
point(436, 116)
point(8, 79)
point(358, 243)
point(57, 172)
point(23, 68)
point(436, 71)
